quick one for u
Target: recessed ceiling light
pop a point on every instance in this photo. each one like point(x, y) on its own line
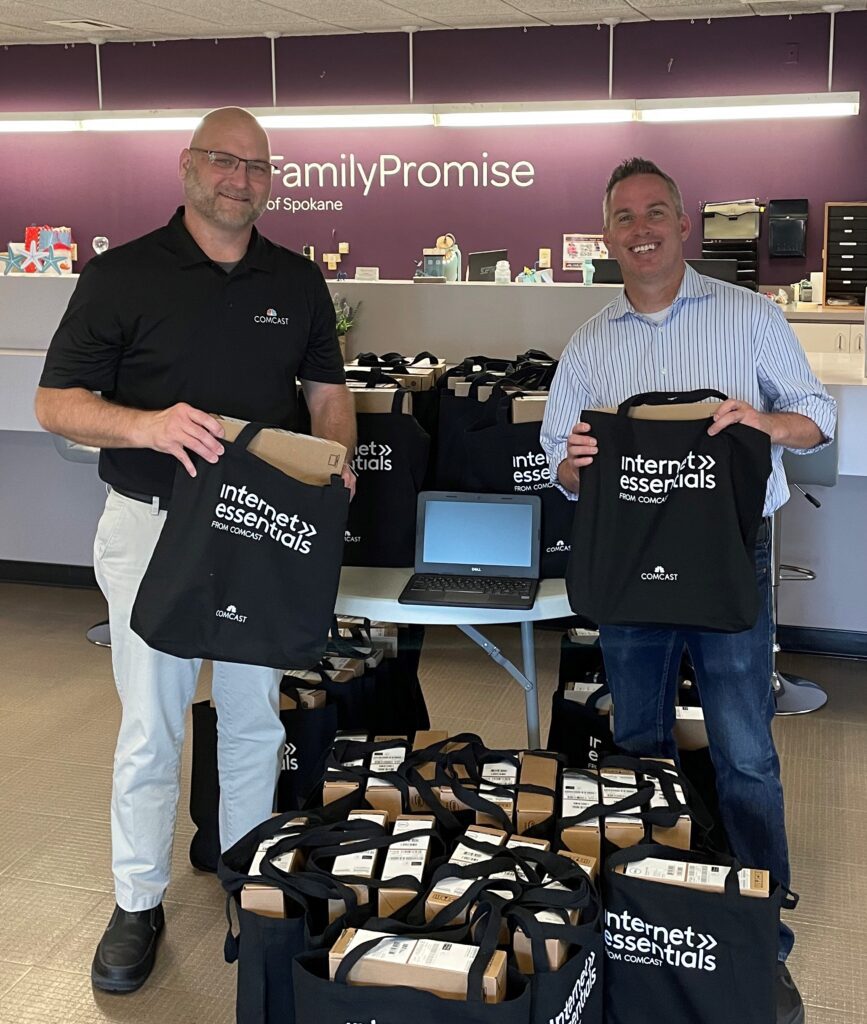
point(88, 25)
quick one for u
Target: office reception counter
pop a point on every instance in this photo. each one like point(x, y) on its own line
point(49, 508)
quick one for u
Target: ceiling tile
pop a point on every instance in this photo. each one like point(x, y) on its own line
point(665, 13)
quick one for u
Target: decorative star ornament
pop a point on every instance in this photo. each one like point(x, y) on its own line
point(53, 260)
point(11, 260)
point(33, 257)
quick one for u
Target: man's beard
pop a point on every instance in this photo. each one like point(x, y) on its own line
point(207, 204)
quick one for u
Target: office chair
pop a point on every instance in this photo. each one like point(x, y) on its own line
point(98, 633)
point(795, 695)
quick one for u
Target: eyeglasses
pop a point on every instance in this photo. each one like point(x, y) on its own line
point(227, 163)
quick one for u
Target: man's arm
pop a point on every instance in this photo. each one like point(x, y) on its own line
point(332, 415)
point(580, 449)
point(790, 429)
point(84, 417)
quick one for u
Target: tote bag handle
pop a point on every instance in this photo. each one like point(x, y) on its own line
point(669, 398)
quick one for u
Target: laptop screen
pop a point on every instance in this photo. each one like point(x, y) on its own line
point(493, 535)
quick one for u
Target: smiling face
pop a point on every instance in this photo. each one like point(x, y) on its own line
point(645, 233)
point(226, 201)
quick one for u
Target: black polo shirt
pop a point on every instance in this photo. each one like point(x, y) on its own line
point(155, 322)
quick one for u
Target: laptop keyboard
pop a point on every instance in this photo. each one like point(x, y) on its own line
point(471, 585)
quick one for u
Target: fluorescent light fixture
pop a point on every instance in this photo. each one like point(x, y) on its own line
point(461, 115)
point(718, 108)
point(33, 125)
point(398, 119)
point(750, 108)
point(138, 124)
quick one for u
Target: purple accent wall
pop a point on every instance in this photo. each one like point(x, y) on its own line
point(123, 185)
point(71, 85)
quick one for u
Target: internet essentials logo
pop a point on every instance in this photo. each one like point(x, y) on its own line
point(371, 456)
point(530, 472)
point(577, 999)
point(649, 481)
point(635, 941)
point(254, 518)
point(270, 317)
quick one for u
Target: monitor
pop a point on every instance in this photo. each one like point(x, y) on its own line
point(481, 265)
point(608, 271)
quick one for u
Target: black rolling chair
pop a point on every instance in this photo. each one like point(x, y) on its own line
point(795, 695)
point(71, 451)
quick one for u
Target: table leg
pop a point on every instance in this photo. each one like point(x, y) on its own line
point(531, 693)
point(526, 679)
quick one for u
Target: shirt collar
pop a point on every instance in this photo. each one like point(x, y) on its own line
point(257, 257)
point(693, 286)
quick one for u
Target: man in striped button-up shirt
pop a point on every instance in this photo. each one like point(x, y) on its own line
point(674, 330)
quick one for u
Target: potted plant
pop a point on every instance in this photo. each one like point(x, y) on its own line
point(346, 316)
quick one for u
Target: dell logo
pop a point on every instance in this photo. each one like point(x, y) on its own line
point(475, 568)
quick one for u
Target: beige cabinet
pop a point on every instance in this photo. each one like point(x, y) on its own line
point(826, 337)
point(856, 343)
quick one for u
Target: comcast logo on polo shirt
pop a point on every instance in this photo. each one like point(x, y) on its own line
point(230, 612)
point(561, 545)
point(270, 317)
point(659, 573)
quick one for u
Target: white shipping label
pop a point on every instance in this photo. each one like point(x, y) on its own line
point(408, 825)
point(453, 886)
point(393, 949)
point(656, 868)
point(714, 876)
point(500, 773)
point(402, 860)
point(361, 863)
point(388, 760)
point(689, 714)
point(349, 764)
point(579, 793)
point(581, 692)
point(264, 847)
point(445, 956)
point(658, 799)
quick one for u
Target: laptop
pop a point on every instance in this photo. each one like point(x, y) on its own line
point(481, 265)
point(476, 550)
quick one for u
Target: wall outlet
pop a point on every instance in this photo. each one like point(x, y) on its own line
point(544, 259)
point(791, 53)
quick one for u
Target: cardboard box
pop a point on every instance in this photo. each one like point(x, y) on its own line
point(502, 774)
point(556, 949)
point(312, 460)
point(383, 635)
point(534, 808)
point(448, 890)
point(336, 675)
point(413, 378)
point(335, 789)
point(361, 864)
point(405, 858)
point(379, 399)
point(529, 408)
point(441, 968)
point(689, 729)
point(337, 663)
point(307, 699)
point(580, 793)
point(268, 900)
point(689, 411)
point(705, 877)
point(380, 793)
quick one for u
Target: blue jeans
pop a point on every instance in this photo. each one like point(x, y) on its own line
point(733, 673)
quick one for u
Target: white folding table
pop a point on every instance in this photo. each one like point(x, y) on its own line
point(373, 593)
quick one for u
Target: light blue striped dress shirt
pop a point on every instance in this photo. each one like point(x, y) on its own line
point(716, 335)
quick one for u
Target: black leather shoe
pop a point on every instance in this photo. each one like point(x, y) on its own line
point(125, 954)
point(790, 1007)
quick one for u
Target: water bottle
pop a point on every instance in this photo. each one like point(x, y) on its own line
point(502, 272)
point(587, 271)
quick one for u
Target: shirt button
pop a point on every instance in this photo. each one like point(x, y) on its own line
point(664, 371)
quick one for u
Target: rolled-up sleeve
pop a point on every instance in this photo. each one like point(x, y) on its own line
point(568, 397)
point(788, 383)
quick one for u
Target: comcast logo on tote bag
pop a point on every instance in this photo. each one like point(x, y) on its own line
point(659, 573)
point(230, 612)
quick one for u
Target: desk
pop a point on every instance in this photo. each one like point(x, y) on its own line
point(373, 594)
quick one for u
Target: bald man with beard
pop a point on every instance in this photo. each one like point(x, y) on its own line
point(203, 315)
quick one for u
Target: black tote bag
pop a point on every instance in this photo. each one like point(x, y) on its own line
point(578, 729)
point(390, 462)
point(247, 565)
point(691, 955)
point(310, 733)
point(666, 523)
point(507, 458)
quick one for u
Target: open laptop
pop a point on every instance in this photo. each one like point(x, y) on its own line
point(476, 550)
point(481, 265)
point(608, 271)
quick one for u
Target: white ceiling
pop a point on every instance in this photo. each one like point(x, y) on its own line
point(25, 21)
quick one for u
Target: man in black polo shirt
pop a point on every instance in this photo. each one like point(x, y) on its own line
point(202, 316)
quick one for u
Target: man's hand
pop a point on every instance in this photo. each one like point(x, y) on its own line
point(179, 428)
point(349, 479)
point(733, 410)
point(581, 447)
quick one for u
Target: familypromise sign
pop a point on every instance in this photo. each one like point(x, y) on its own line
point(351, 176)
